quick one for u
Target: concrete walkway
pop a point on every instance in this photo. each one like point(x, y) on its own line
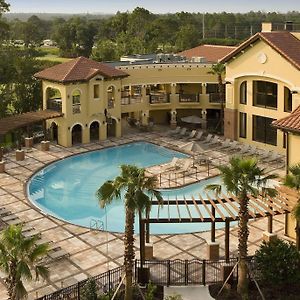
point(189, 292)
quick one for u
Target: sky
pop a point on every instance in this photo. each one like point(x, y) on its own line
point(155, 6)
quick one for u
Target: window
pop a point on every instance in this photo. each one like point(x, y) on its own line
point(76, 102)
point(288, 104)
point(96, 91)
point(111, 97)
point(243, 92)
point(263, 131)
point(265, 94)
point(243, 125)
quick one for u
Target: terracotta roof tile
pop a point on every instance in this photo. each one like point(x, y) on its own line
point(79, 69)
point(212, 53)
point(289, 123)
point(283, 42)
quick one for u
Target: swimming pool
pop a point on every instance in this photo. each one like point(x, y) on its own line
point(66, 189)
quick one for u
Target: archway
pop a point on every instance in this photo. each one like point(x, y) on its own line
point(94, 131)
point(111, 127)
point(77, 134)
point(54, 132)
point(53, 99)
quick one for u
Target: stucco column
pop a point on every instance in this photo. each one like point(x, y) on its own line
point(144, 93)
point(203, 88)
point(173, 96)
point(173, 122)
point(145, 117)
point(118, 128)
point(85, 134)
point(103, 131)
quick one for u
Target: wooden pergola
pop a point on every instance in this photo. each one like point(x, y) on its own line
point(219, 208)
point(15, 122)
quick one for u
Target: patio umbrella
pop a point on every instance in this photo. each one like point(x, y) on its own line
point(192, 146)
point(192, 119)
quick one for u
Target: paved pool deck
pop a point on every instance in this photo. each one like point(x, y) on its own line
point(93, 252)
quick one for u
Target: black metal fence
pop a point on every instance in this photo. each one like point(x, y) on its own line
point(165, 273)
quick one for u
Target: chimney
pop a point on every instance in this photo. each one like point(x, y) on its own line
point(288, 26)
point(266, 27)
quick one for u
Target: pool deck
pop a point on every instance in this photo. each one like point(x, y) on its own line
point(93, 252)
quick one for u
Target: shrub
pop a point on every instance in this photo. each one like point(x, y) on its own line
point(278, 263)
point(89, 291)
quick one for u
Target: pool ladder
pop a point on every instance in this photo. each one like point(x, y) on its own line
point(96, 224)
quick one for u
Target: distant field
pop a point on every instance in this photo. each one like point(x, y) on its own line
point(51, 54)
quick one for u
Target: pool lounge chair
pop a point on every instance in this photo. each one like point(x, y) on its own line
point(225, 144)
point(265, 154)
point(191, 135)
point(234, 146)
point(173, 165)
point(252, 151)
point(214, 141)
point(244, 149)
point(58, 253)
point(175, 131)
point(198, 136)
point(186, 166)
point(208, 139)
point(273, 157)
point(182, 133)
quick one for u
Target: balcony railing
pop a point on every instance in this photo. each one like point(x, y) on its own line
point(77, 109)
point(54, 104)
point(188, 98)
point(111, 103)
point(215, 98)
point(159, 98)
point(126, 100)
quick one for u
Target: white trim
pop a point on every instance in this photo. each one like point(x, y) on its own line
point(89, 126)
point(265, 75)
point(71, 128)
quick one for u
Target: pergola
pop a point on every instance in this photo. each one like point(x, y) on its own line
point(15, 122)
point(219, 208)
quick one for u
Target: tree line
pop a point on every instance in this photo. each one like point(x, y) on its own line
point(141, 31)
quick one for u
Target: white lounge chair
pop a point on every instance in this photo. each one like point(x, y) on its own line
point(192, 134)
point(214, 141)
point(175, 131)
point(225, 144)
point(181, 133)
point(187, 164)
point(274, 157)
point(208, 138)
point(173, 165)
point(234, 146)
point(198, 136)
point(252, 151)
point(244, 149)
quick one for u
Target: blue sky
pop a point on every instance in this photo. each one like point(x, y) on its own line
point(156, 6)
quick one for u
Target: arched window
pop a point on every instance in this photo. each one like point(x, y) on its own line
point(54, 100)
point(111, 97)
point(243, 92)
point(288, 105)
point(76, 105)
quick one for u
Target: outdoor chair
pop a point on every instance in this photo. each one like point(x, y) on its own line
point(208, 139)
point(225, 144)
point(186, 166)
point(252, 151)
point(173, 165)
point(191, 135)
point(244, 149)
point(265, 154)
point(175, 131)
point(198, 136)
point(273, 157)
point(234, 146)
point(214, 141)
point(181, 133)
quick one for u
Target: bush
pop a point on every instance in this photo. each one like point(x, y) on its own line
point(278, 263)
point(89, 291)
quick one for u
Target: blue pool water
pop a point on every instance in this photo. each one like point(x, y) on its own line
point(66, 188)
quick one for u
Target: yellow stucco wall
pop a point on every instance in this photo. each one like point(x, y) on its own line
point(194, 78)
point(260, 62)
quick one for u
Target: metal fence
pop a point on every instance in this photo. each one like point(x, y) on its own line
point(165, 273)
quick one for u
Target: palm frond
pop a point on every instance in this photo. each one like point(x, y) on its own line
point(41, 271)
point(217, 188)
point(296, 211)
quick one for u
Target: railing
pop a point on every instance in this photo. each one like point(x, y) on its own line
point(111, 103)
point(126, 100)
point(162, 272)
point(188, 98)
point(55, 104)
point(77, 109)
point(159, 98)
point(215, 98)
point(105, 283)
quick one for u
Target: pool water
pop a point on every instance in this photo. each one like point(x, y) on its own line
point(66, 189)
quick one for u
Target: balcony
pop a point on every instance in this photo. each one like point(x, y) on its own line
point(188, 98)
point(111, 103)
point(76, 109)
point(126, 100)
point(159, 98)
point(55, 104)
point(215, 98)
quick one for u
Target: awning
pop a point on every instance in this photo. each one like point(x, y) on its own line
point(9, 124)
point(193, 119)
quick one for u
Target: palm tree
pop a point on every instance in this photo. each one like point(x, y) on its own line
point(292, 180)
point(139, 191)
point(241, 177)
point(20, 257)
point(219, 70)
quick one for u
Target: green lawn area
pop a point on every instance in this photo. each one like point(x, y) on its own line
point(51, 54)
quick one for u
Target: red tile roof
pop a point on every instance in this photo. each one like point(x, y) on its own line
point(284, 42)
point(212, 53)
point(79, 69)
point(289, 123)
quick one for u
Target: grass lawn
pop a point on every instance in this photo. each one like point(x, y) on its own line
point(51, 54)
